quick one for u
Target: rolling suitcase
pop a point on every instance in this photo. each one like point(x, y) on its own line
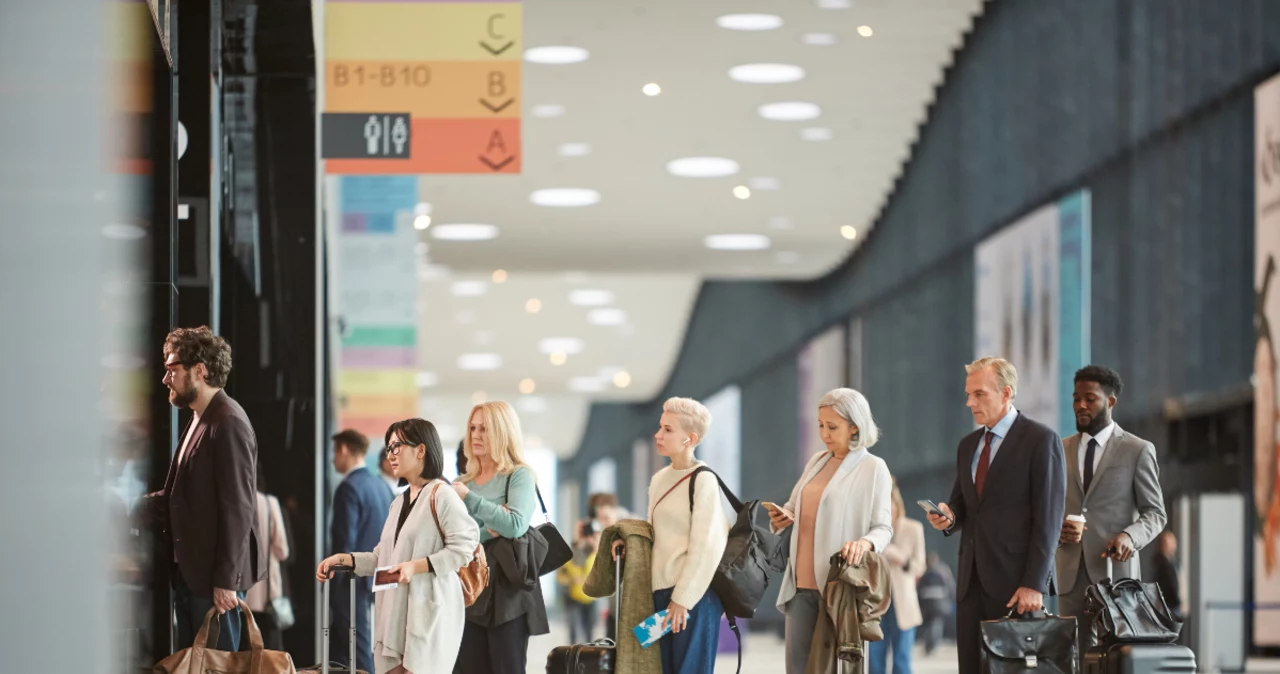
point(1140, 659)
point(595, 657)
point(325, 667)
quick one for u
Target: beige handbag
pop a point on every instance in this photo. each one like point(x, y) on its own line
point(475, 575)
point(202, 658)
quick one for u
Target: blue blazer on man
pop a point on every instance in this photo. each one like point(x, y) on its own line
point(360, 507)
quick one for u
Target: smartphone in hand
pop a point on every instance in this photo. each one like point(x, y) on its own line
point(933, 509)
point(775, 507)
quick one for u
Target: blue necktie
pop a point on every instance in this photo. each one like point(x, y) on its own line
point(1088, 463)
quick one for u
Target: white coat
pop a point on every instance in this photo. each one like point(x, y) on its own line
point(420, 625)
point(857, 503)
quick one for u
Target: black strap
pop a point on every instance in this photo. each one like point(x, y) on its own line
point(733, 625)
point(506, 494)
point(733, 498)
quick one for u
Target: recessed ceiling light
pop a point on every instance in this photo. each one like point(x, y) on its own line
point(479, 397)
point(564, 197)
point(622, 379)
point(422, 222)
point(528, 386)
point(124, 232)
point(566, 345)
point(849, 232)
point(556, 55)
point(586, 384)
point(651, 89)
point(742, 192)
point(479, 362)
point(558, 358)
point(426, 379)
point(423, 208)
point(737, 242)
point(789, 111)
point(764, 184)
point(468, 288)
point(786, 257)
point(702, 167)
point(834, 4)
point(818, 39)
point(865, 31)
point(465, 232)
point(500, 276)
point(590, 297)
point(781, 222)
point(816, 133)
point(766, 73)
point(749, 21)
point(547, 110)
point(533, 306)
point(573, 149)
point(607, 316)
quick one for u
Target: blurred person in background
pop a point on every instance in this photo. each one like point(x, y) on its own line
point(580, 609)
point(1165, 565)
point(261, 597)
point(906, 559)
point(500, 492)
point(207, 510)
point(360, 507)
point(936, 592)
point(418, 625)
point(461, 458)
point(844, 505)
point(603, 512)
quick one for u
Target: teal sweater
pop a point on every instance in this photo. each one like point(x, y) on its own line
point(485, 503)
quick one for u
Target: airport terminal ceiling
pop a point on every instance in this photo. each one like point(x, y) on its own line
point(808, 110)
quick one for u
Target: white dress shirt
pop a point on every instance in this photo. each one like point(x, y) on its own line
point(1102, 437)
point(998, 432)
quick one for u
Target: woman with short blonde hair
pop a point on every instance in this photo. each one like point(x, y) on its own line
point(842, 504)
point(500, 492)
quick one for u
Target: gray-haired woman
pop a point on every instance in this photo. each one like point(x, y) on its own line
point(842, 503)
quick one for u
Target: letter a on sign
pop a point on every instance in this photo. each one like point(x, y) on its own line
point(495, 141)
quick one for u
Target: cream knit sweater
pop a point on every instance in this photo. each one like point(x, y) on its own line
point(687, 546)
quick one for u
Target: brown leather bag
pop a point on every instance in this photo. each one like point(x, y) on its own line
point(202, 657)
point(475, 575)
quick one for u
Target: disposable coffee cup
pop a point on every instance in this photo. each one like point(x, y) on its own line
point(1077, 522)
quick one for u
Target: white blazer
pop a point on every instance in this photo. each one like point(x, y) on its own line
point(857, 503)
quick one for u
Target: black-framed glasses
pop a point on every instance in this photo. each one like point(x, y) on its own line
point(393, 449)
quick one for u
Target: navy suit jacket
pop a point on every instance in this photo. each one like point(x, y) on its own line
point(360, 508)
point(1010, 535)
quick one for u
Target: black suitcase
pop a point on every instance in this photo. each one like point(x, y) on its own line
point(325, 667)
point(1140, 659)
point(598, 656)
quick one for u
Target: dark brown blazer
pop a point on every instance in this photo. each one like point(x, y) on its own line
point(207, 510)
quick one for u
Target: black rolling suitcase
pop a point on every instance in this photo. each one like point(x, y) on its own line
point(1131, 630)
point(325, 666)
point(598, 656)
point(1140, 659)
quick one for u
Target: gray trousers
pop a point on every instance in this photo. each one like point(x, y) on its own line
point(1072, 604)
point(802, 618)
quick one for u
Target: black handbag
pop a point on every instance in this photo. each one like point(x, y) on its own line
point(750, 553)
point(1034, 641)
point(558, 551)
point(1129, 611)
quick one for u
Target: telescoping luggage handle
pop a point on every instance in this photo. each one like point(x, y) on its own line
point(351, 645)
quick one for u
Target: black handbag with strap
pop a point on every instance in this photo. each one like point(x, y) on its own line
point(1129, 611)
point(1034, 641)
point(558, 551)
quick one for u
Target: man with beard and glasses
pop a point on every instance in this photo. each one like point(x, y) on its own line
point(207, 510)
point(1113, 483)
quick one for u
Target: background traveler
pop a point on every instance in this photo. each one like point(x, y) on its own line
point(906, 559)
point(275, 542)
point(937, 594)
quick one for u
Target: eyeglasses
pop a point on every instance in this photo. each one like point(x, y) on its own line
point(393, 449)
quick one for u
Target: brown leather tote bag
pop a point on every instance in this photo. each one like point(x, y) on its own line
point(475, 575)
point(203, 658)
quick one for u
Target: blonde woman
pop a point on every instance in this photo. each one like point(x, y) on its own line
point(419, 624)
point(499, 490)
point(688, 542)
point(906, 559)
point(842, 503)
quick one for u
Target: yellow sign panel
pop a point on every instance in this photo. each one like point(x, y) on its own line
point(376, 382)
point(413, 31)
point(401, 406)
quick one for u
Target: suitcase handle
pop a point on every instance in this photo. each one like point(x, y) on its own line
point(351, 638)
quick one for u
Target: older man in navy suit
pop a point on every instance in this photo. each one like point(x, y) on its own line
point(1008, 501)
point(360, 507)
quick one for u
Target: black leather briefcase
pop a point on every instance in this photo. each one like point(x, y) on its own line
point(1035, 642)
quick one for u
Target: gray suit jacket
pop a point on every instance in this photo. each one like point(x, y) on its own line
point(1125, 496)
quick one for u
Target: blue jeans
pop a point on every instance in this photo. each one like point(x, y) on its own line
point(693, 650)
point(898, 640)
point(191, 611)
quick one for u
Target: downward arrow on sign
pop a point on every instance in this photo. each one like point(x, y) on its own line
point(499, 108)
point(496, 51)
point(498, 166)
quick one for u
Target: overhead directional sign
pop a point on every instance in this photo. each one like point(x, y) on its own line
point(452, 67)
point(366, 135)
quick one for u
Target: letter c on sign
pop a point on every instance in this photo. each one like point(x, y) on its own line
point(493, 30)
